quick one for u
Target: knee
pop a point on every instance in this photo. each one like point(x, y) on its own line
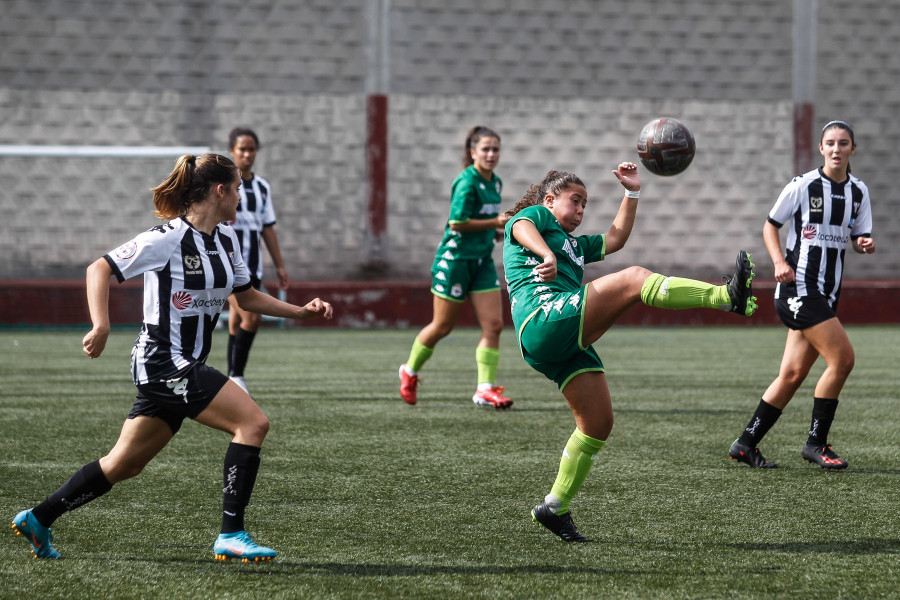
point(793, 377)
point(492, 327)
point(117, 470)
point(636, 277)
point(845, 363)
point(255, 430)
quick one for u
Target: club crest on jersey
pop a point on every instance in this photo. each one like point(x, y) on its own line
point(126, 250)
point(456, 291)
point(815, 204)
point(192, 265)
point(809, 232)
point(231, 257)
point(181, 300)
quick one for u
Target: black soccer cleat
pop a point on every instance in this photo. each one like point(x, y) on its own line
point(750, 456)
point(743, 302)
point(823, 456)
point(560, 525)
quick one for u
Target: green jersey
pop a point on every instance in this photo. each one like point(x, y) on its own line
point(472, 197)
point(527, 293)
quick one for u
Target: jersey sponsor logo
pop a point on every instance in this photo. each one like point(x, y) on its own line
point(578, 260)
point(490, 209)
point(126, 250)
point(827, 237)
point(456, 291)
point(208, 303)
point(181, 300)
point(809, 232)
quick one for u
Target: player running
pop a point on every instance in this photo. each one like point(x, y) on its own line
point(190, 265)
point(557, 317)
point(463, 267)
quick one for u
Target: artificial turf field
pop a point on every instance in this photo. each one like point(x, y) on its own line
point(365, 497)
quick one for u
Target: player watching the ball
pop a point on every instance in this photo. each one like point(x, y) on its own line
point(827, 208)
point(557, 317)
point(190, 265)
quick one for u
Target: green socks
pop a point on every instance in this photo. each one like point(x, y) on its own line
point(419, 355)
point(487, 360)
point(676, 292)
point(576, 461)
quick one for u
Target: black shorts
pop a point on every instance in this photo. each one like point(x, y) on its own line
point(803, 312)
point(175, 400)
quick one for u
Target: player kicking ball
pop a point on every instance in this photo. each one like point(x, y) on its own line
point(557, 317)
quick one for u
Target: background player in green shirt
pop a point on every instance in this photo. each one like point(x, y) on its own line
point(463, 267)
point(557, 318)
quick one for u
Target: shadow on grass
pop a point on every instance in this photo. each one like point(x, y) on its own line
point(864, 546)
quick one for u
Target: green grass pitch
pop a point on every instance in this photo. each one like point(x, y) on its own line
point(365, 497)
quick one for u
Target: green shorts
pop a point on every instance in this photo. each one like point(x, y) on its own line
point(455, 279)
point(550, 339)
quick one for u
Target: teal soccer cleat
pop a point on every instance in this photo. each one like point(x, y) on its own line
point(240, 545)
point(26, 525)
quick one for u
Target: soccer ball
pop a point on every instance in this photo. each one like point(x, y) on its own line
point(666, 146)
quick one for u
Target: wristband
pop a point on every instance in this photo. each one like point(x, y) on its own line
point(632, 194)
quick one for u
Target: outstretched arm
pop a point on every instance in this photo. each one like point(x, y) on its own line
point(97, 280)
point(621, 227)
point(264, 304)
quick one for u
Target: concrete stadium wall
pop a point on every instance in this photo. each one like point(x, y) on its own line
point(568, 84)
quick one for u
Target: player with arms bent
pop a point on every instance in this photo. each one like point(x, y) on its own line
point(557, 317)
point(463, 266)
point(827, 208)
point(190, 265)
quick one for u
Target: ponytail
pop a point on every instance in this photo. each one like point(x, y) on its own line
point(189, 182)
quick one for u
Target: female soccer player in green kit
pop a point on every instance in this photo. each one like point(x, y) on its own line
point(463, 267)
point(557, 317)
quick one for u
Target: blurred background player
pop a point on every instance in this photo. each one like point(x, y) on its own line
point(255, 221)
point(190, 267)
point(464, 267)
point(557, 317)
point(827, 208)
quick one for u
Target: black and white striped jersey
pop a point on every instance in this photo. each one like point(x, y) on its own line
point(253, 214)
point(823, 215)
point(188, 277)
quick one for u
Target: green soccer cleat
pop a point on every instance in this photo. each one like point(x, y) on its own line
point(241, 546)
point(26, 525)
point(561, 526)
point(743, 302)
